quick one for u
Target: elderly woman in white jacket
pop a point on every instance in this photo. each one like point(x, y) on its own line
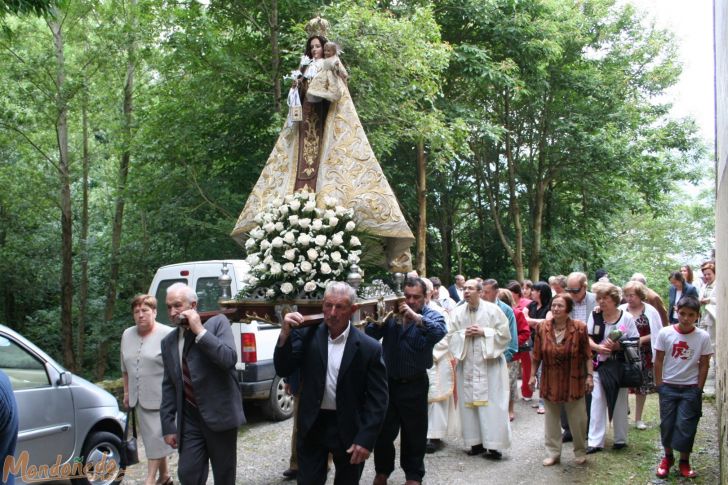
point(648, 323)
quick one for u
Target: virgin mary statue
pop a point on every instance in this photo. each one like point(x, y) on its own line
point(323, 149)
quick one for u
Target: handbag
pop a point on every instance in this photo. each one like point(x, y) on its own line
point(631, 375)
point(295, 110)
point(129, 451)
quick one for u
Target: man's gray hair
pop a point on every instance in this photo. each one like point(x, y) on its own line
point(578, 276)
point(188, 292)
point(639, 277)
point(339, 288)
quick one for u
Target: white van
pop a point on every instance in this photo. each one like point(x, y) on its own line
point(254, 342)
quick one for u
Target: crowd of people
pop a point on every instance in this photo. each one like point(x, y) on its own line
point(445, 366)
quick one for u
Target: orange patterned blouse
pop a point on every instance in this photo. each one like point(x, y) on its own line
point(563, 376)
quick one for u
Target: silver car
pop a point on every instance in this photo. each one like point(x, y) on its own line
point(69, 427)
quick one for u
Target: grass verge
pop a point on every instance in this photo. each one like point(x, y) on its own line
point(636, 464)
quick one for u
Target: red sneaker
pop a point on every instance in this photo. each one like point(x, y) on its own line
point(686, 470)
point(663, 469)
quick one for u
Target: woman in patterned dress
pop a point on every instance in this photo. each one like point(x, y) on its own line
point(648, 323)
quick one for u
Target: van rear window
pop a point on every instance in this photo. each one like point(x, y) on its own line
point(208, 294)
point(161, 297)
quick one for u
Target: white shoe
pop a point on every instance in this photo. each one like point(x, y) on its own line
point(640, 425)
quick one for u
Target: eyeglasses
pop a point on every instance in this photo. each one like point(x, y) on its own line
point(572, 290)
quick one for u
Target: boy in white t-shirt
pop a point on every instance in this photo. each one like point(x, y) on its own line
point(681, 366)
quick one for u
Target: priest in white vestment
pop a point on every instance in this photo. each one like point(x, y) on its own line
point(478, 337)
point(442, 416)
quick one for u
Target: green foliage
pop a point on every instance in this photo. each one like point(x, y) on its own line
point(566, 94)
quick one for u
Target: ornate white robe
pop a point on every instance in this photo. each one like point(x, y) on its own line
point(482, 375)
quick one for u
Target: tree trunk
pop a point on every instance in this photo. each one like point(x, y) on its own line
point(422, 204)
point(64, 173)
point(83, 238)
point(275, 55)
point(120, 193)
point(515, 209)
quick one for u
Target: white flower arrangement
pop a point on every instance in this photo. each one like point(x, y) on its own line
point(297, 248)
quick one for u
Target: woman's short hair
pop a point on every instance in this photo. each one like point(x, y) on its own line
point(637, 287)
point(558, 280)
point(708, 265)
point(505, 296)
point(604, 289)
point(568, 301)
point(515, 287)
point(678, 276)
point(144, 299)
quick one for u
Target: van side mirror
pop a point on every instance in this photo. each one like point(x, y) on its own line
point(64, 379)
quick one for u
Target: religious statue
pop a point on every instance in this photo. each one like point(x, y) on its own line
point(327, 152)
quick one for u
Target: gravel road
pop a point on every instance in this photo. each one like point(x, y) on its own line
point(263, 451)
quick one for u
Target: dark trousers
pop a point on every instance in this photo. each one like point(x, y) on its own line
point(8, 425)
point(680, 411)
point(200, 444)
point(407, 410)
point(314, 448)
point(565, 422)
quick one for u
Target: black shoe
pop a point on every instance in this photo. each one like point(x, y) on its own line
point(619, 446)
point(290, 473)
point(493, 454)
point(566, 437)
point(433, 445)
point(476, 450)
point(590, 450)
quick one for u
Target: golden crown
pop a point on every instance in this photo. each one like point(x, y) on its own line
point(317, 27)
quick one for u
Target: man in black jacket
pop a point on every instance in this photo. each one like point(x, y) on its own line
point(343, 396)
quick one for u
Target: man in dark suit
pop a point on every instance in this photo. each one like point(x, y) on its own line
point(201, 404)
point(456, 290)
point(343, 395)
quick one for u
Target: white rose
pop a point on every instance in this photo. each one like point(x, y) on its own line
point(264, 244)
point(309, 286)
point(277, 242)
point(283, 210)
point(286, 288)
point(333, 221)
point(320, 240)
point(279, 226)
point(268, 259)
point(260, 268)
point(252, 281)
point(335, 257)
point(337, 240)
point(257, 233)
point(270, 293)
point(288, 199)
point(295, 205)
point(276, 202)
point(329, 214)
point(329, 201)
point(353, 258)
point(275, 268)
point(269, 227)
point(293, 220)
point(258, 218)
point(306, 267)
point(289, 267)
point(249, 243)
point(312, 254)
point(317, 224)
point(354, 241)
point(290, 254)
point(304, 223)
point(267, 217)
point(325, 268)
point(304, 239)
point(350, 226)
point(310, 206)
point(289, 237)
point(340, 211)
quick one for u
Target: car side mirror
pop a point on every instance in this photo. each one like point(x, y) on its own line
point(64, 379)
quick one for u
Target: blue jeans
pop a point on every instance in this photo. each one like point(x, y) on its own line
point(680, 411)
point(8, 425)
